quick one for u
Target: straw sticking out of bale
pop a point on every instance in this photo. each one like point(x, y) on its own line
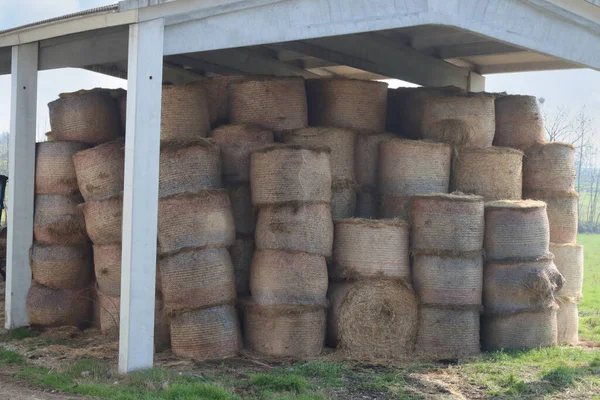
point(343, 199)
point(567, 323)
point(568, 258)
point(61, 267)
point(526, 330)
point(519, 123)
point(58, 220)
point(241, 206)
point(549, 167)
point(184, 113)
point(366, 157)
point(104, 220)
point(54, 170)
point(58, 307)
point(241, 257)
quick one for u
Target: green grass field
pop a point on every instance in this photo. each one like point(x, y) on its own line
point(589, 308)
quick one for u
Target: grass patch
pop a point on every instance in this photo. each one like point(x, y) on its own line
point(328, 374)
point(9, 357)
point(21, 333)
point(279, 382)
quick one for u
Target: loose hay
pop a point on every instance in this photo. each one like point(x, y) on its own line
point(567, 324)
point(184, 113)
point(54, 170)
point(549, 167)
point(61, 267)
point(241, 206)
point(568, 258)
point(241, 257)
point(58, 220)
point(58, 307)
point(519, 122)
point(104, 220)
point(343, 199)
point(563, 214)
point(366, 157)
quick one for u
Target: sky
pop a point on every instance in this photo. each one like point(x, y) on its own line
point(570, 89)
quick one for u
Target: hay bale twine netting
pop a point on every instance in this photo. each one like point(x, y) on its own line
point(286, 277)
point(211, 333)
point(494, 173)
point(366, 158)
point(87, 116)
point(290, 173)
point(519, 122)
point(242, 209)
point(516, 229)
point(568, 259)
point(100, 170)
point(58, 220)
point(236, 143)
point(61, 267)
point(241, 257)
point(343, 199)
point(54, 169)
point(275, 103)
point(365, 248)
point(217, 96)
point(197, 278)
point(549, 167)
point(567, 323)
point(104, 220)
point(373, 319)
point(451, 223)
point(189, 166)
point(285, 330)
point(563, 214)
point(307, 227)
point(347, 103)
point(410, 167)
point(195, 220)
point(184, 113)
point(58, 307)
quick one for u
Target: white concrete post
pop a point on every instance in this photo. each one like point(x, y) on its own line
point(475, 82)
point(140, 197)
point(21, 178)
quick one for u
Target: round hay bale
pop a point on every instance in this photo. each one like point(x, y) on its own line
point(568, 259)
point(104, 220)
point(563, 213)
point(275, 103)
point(365, 248)
point(339, 141)
point(447, 333)
point(195, 220)
point(217, 95)
point(285, 330)
point(366, 157)
point(519, 122)
point(567, 324)
point(184, 113)
point(189, 167)
point(197, 278)
point(347, 103)
point(410, 167)
point(494, 173)
point(243, 211)
point(516, 229)
point(241, 257)
point(367, 203)
point(212, 333)
point(305, 227)
point(373, 319)
point(448, 280)
point(236, 143)
point(524, 330)
point(285, 277)
point(61, 267)
point(54, 170)
point(87, 116)
point(453, 131)
point(58, 307)
point(58, 220)
point(447, 223)
point(549, 167)
point(343, 199)
point(510, 287)
point(101, 170)
point(285, 173)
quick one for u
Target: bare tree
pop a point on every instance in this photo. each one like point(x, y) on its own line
point(558, 125)
point(582, 139)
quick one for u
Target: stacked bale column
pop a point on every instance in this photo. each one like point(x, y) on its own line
point(519, 122)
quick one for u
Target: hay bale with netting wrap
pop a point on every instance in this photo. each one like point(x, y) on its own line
point(216, 89)
point(184, 113)
point(519, 122)
point(195, 220)
point(54, 169)
point(366, 158)
point(373, 319)
point(300, 227)
point(368, 203)
point(286, 277)
point(516, 229)
point(567, 323)
point(58, 220)
point(189, 166)
point(58, 307)
point(290, 173)
point(568, 259)
point(549, 167)
point(563, 213)
point(343, 199)
point(61, 267)
point(241, 257)
point(242, 209)
point(104, 220)
point(365, 248)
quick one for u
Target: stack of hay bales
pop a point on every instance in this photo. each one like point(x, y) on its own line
point(447, 245)
point(291, 187)
point(520, 279)
point(216, 89)
point(519, 122)
point(374, 311)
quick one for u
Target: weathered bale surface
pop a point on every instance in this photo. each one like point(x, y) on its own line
point(373, 319)
point(367, 203)
point(236, 143)
point(212, 333)
point(519, 122)
point(568, 259)
point(285, 173)
point(54, 170)
point(516, 229)
point(567, 323)
point(549, 167)
point(87, 116)
point(184, 113)
point(448, 332)
point(563, 214)
point(285, 330)
point(61, 267)
point(58, 220)
point(494, 173)
point(198, 220)
point(447, 223)
point(197, 278)
point(58, 307)
point(104, 220)
point(100, 170)
point(217, 96)
point(306, 227)
point(510, 287)
point(241, 257)
point(278, 103)
point(448, 280)
point(366, 157)
point(343, 199)
point(242, 209)
point(189, 167)
point(525, 330)
point(365, 248)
